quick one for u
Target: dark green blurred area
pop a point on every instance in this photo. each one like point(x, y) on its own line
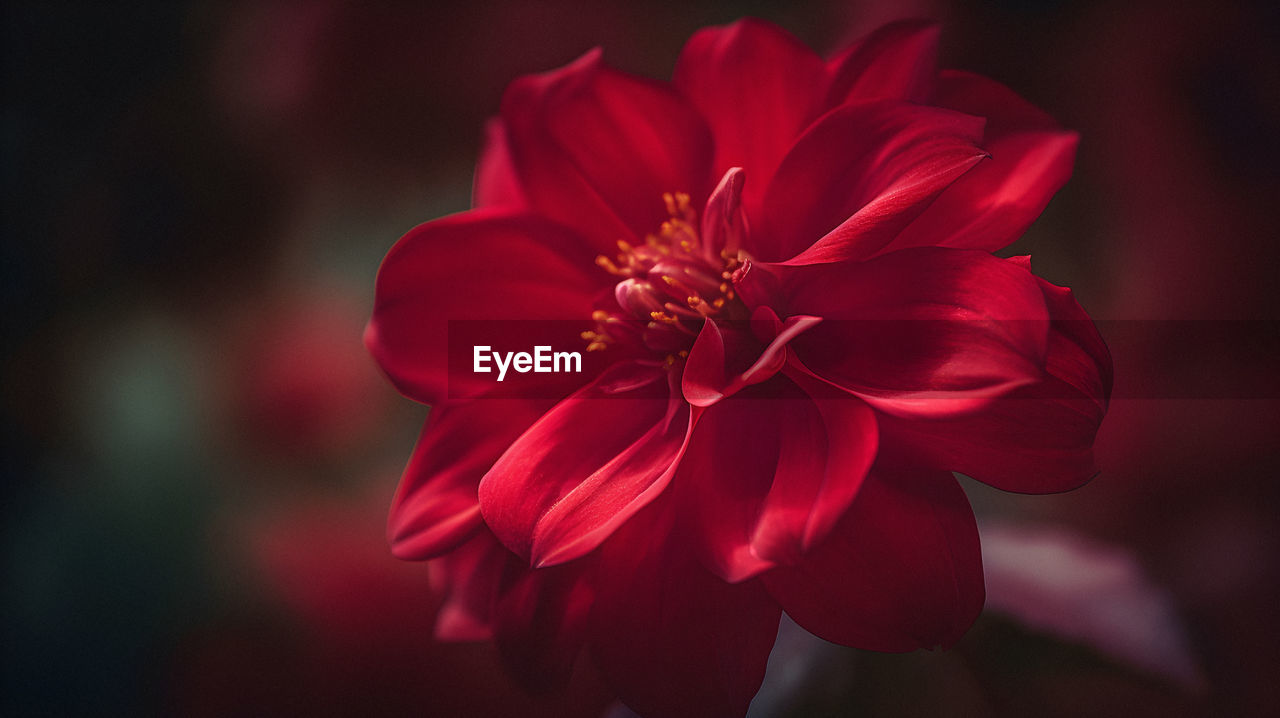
point(197, 196)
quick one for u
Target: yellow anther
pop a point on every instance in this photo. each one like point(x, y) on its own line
point(724, 288)
point(608, 265)
point(670, 202)
point(588, 336)
point(600, 315)
point(682, 354)
point(624, 246)
point(597, 346)
point(718, 303)
point(679, 285)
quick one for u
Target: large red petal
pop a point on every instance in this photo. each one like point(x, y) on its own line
point(992, 205)
point(902, 570)
point(671, 638)
point(922, 332)
point(483, 264)
point(898, 61)
point(769, 471)
point(587, 465)
point(758, 88)
point(1037, 439)
point(596, 148)
point(436, 507)
point(496, 183)
point(859, 175)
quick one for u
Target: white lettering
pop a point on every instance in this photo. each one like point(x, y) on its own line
point(567, 356)
point(502, 366)
point(542, 361)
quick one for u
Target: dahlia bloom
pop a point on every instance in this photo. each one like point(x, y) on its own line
point(785, 264)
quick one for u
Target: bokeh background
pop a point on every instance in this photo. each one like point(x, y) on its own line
point(198, 454)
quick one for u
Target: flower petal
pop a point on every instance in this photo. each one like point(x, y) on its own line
point(587, 465)
point(669, 637)
point(466, 579)
point(496, 183)
point(728, 355)
point(758, 88)
point(859, 175)
point(724, 223)
point(540, 621)
point(596, 148)
point(902, 570)
point(1005, 110)
point(1037, 439)
point(994, 204)
point(922, 332)
point(436, 507)
point(769, 472)
point(897, 61)
point(483, 264)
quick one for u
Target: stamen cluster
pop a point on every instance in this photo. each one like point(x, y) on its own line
point(669, 285)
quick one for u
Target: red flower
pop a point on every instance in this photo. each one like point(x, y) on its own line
point(787, 264)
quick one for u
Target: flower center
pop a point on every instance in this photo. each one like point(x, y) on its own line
point(668, 287)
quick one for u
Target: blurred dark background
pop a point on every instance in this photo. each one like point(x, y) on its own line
point(198, 454)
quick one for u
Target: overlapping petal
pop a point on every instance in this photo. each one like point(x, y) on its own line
point(994, 204)
point(671, 638)
point(1005, 110)
point(436, 506)
point(858, 176)
point(466, 580)
point(758, 88)
point(729, 356)
point(595, 148)
point(483, 264)
point(724, 222)
point(769, 471)
point(587, 465)
point(922, 332)
point(902, 570)
point(1038, 438)
point(898, 61)
point(540, 621)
